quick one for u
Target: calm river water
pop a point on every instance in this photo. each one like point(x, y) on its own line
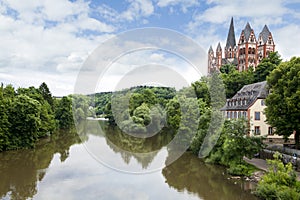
point(62, 167)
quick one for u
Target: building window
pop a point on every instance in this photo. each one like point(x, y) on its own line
point(231, 115)
point(270, 131)
point(257, 130)
point(257, 116)
point(245, 114)
point(262, 103)
point(240, 113)
point(235, 115)
point(228, 114)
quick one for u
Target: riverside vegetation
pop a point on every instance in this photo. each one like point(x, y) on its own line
point(31, 113)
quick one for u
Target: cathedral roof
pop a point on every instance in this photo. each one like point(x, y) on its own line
point(246, 96)
point(219, 47)
point(210, 49)
point(231, 36)
point(247, 31)
point(265, 34)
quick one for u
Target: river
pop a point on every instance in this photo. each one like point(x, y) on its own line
point(64, 167)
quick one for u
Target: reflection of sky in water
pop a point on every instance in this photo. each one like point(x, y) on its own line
point(61, 168)
point(99, 149)
point(82, 177)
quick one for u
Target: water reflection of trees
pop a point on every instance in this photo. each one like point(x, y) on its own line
point(20, 170)
point(189, 173)
point(143, 150)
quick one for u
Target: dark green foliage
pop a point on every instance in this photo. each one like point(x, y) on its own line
point(232, 145)
point(101, 100)
point(279, 182)
point(137, 107)
point(201, 90)
point(266, 66)
point(5, 125)
point(25, 116)
point(64, 114)
point(45, 92)
point(235, 80)
point(283, 102)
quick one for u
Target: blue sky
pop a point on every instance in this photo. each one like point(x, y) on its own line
point(49, 40)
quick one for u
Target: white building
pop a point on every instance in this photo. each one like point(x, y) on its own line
point(249, 103)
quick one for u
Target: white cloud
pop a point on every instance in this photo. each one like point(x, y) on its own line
point(287, 39)
point(42, 48)
point(222, 11)
point(184, 4)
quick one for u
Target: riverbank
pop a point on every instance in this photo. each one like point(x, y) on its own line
point(262, 165)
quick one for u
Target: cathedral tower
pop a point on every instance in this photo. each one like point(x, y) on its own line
point(247, 49)
point(265, 43)
point(230, 48)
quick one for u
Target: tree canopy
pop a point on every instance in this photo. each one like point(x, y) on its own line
point(27, 114)
point(283, 102)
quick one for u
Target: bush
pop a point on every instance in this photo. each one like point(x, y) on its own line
point(279, 183)
point(241, 169)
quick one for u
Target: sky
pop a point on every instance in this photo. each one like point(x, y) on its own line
point(50, 40)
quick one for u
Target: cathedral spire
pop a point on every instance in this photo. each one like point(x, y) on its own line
point(231, 36)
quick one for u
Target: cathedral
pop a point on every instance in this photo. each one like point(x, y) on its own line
point(248, 52)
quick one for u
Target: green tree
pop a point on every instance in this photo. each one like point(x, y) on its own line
point(201, 90)
point(136, 99)
point(266, 66)
point(47, 120)
point(25, 121)
point(4, 123)
point(46, 115)
point(279, 182)
point(64, 114)
point(149, 97)
point(235, 80)
point(233, 145)
point(173, 113)
point(45, 92)
point(141, 115)
point(283, 102)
